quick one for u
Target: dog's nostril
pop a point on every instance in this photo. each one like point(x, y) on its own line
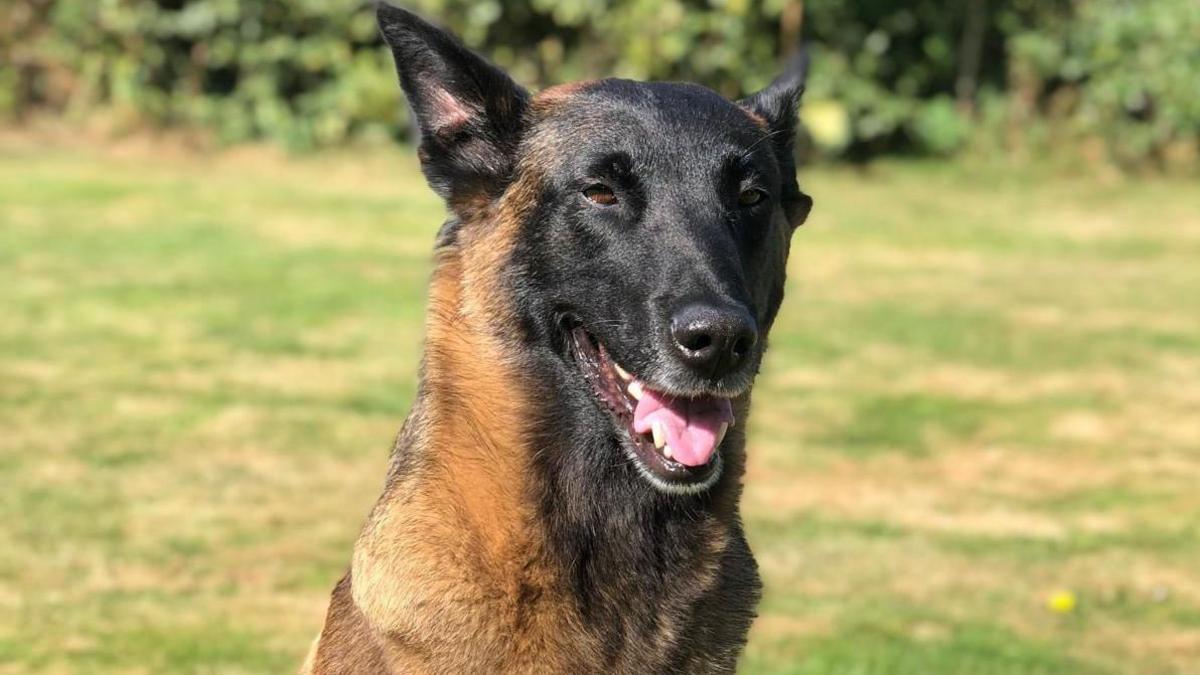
point(741, 346)
point(697, 342)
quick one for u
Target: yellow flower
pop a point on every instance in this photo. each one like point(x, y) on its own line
point(1061, 602)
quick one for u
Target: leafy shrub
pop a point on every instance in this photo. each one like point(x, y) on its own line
point(921, 76)
point(1127, 72)
point(303, 72)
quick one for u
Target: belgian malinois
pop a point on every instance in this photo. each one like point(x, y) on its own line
point(563, 497)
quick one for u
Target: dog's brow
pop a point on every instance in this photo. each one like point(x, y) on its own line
point(613, 164)
point(741, 164)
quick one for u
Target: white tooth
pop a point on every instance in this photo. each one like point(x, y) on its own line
point(660, 436)
point(666, 452)
point(635, 389)
point(621, 371)
point(721, 434)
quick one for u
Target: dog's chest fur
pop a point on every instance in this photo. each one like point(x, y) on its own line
point(435, 589)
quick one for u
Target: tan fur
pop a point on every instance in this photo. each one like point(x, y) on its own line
point(450, 573)
point(755, 117)
point(552, 97)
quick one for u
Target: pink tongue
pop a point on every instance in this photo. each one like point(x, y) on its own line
point(691, 424)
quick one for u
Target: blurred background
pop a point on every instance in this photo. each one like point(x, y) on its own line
point(1114, 77)
point(977, 436)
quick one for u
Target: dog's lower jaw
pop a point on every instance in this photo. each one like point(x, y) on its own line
point(665, 487)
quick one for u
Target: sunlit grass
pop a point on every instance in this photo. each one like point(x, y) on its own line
point(984, 390)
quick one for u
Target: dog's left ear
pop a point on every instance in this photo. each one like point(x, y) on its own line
point(779, 104)
point(470, 112)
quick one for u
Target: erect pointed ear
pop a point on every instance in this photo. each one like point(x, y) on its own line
point(470, 112)
point(778, 105)
point(779, 102)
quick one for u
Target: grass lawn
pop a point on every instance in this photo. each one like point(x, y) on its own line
point(984, 389)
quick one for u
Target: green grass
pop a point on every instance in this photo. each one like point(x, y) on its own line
point(984, 387)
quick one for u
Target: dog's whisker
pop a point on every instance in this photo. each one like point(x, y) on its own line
point(766, 137)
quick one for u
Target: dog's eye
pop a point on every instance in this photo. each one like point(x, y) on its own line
point(600, 194)
point(750, 197)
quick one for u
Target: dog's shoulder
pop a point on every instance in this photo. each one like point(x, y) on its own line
point(346, 643)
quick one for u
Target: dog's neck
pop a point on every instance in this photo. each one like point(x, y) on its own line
point(473, 403)
point(510, 476)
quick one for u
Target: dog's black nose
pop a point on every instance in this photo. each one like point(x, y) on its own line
point(713, 340)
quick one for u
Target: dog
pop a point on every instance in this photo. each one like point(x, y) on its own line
point(563, 496)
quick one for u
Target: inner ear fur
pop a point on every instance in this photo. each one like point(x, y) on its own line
point(470, 113)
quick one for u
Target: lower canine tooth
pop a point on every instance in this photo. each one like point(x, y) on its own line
point(666, 451)
point(660, 438)
point(721, 434)
point(635, 390)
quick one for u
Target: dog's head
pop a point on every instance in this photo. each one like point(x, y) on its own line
point(654, 221)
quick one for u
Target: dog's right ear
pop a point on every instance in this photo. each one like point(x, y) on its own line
point(470, 112)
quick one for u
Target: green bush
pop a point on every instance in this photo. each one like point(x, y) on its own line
point(922, 76)
point(303, 72)
point(1127, 72)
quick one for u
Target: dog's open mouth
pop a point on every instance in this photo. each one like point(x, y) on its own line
point(673, 440)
